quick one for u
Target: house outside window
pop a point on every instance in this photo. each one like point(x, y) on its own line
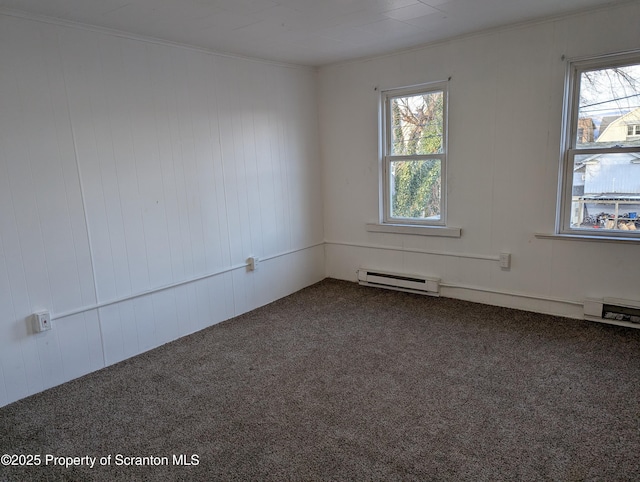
point(600, 193)
point(414, 144)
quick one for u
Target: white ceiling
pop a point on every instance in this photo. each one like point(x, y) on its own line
point(307, 32)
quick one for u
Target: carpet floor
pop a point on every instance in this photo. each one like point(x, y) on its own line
point(342, 382)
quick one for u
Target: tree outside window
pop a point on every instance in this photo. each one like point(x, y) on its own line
point(415, 155)
point(601, 186)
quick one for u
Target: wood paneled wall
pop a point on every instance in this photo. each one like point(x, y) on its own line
point(128, 165)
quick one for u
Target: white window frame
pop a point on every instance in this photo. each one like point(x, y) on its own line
point(387, 158)
point(569, 139)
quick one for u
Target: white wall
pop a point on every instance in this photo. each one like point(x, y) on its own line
point(505, 115)
point(126, 166)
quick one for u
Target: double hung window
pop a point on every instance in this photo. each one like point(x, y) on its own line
point(414, 148)
point(600, 187)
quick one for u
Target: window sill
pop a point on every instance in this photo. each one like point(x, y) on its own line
point(443, 231)
point(587, 237)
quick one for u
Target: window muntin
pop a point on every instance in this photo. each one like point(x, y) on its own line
point(601, 187)
point(414, 155)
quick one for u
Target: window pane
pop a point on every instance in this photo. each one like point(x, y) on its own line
point(416, 189)
point(416, 123)
point(609, 107)
point(606, 192)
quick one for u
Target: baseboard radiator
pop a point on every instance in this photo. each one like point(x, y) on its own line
point(614, 311)
point(410, 283)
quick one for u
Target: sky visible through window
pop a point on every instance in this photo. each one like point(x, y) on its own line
point(606, 95)
point(606, 182)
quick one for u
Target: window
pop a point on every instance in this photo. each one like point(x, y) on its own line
point(414, 144)
point(601, 148)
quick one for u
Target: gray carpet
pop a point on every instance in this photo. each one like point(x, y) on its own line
point(341, 382)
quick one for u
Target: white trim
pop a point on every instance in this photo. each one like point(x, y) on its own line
point(511, 293)
point(586, 237)
point(291, 251)
point(420, 251)
point(510, 299)
point(179, 283)
point(145, 293)
point(420, 230)
point(617, 58)
point(413, 88)
point(568, 143)
point(386, 157)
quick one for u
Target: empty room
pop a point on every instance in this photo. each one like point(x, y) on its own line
point(319, 240)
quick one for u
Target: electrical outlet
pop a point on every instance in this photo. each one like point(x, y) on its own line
point(41, 321)
point(505, 260)
point(252, 263)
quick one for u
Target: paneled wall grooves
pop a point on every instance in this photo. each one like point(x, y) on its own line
point(130, 166)
point(83, 202)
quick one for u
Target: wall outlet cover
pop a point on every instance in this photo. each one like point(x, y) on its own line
point(41, 321)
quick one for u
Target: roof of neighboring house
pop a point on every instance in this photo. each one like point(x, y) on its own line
point(607, 134)
point(606, 120)
point(608, 174)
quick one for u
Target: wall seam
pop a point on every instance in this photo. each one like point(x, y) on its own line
point(8, 12)
point(84, 210)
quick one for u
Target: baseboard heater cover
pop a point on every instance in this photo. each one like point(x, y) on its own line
point(614, 311)
point(410, 283)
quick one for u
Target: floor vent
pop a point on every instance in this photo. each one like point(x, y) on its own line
point(614, 311)
point(400, 282)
